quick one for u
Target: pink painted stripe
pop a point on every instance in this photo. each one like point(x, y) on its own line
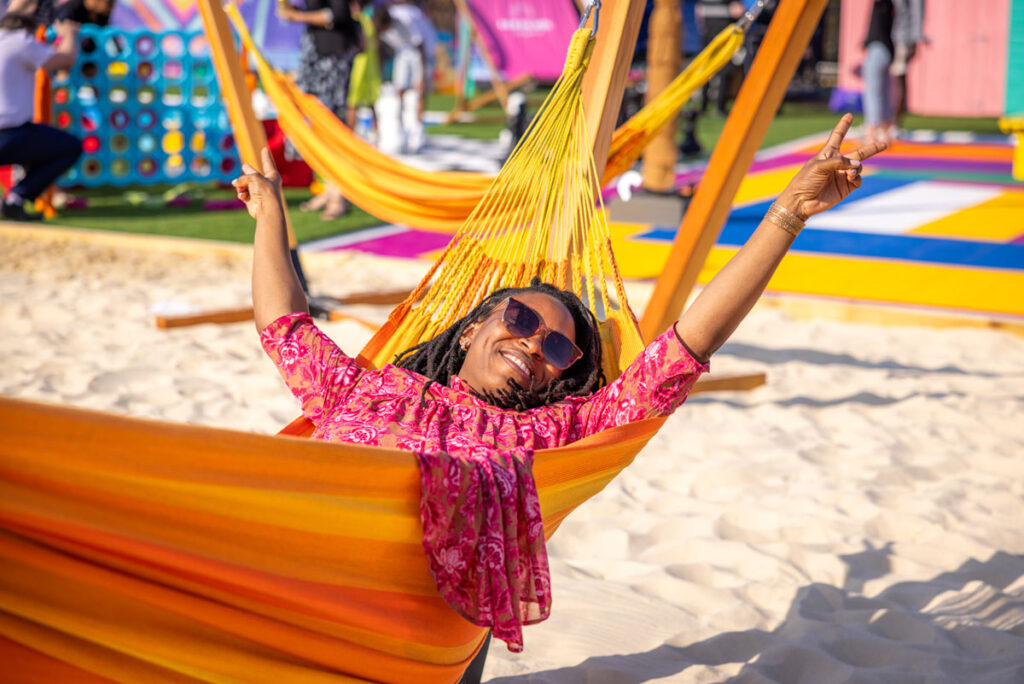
point(411, 244)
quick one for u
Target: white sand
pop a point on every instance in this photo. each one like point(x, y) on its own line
point(859, 519)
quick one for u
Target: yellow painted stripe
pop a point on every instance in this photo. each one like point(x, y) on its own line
point(999, 219)
point(638, 258)
point(891, 281)
point(765, 185)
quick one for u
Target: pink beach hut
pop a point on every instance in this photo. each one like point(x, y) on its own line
point(965, 67)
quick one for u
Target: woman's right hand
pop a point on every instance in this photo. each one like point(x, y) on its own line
point(828, 177)
point(261, 192)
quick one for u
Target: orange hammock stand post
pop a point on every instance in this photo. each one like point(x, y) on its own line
point(236, 94)
point(43, 114)
point(759, 98)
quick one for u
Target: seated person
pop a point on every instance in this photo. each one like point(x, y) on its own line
point(520, 372)
point(43, 151)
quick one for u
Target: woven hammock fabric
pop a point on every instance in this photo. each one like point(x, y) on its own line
point(433, 200)
point(138, 551)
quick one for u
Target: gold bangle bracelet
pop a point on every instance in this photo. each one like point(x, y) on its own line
point(784, 219)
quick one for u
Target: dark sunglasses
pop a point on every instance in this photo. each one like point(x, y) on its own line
point(522, 321)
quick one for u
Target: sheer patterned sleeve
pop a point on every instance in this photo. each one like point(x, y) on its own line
point(655, 384)
point(315, 369)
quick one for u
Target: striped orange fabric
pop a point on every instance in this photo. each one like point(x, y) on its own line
point(139, 551)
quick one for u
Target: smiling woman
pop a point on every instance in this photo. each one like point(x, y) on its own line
point(520, 372)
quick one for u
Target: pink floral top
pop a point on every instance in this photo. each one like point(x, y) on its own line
point(482, 528)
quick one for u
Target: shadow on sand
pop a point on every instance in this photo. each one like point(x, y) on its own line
point(960, 627)
point(823, 358)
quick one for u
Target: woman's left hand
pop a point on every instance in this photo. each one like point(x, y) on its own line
point(827, 178)
point(261, 192)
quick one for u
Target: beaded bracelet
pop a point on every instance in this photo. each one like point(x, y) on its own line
point(784, 219)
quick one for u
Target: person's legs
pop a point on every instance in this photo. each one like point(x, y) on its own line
point(335, 204)
point(877, 102)
point(718, 86)
point(475, 672)
point(44, 152)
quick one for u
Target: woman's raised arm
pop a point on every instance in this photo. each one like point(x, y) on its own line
point(276, 290)
point(823, 182)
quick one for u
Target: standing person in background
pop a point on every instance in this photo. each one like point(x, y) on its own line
point(404, 39)
point(46, 12)
point(713, 16)
point(878, 46)
point(413, 16)
point(42, 151)
point(756, 33)
point(330, 43)
point(365, 85)
point(907, 33)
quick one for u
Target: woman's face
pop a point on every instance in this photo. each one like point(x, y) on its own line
point(496, 356)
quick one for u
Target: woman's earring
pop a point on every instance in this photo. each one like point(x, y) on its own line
point(464, 344)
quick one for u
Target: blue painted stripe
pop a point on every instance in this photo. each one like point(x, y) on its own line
point(875, 184)
point(744, 220)
point(902, 247)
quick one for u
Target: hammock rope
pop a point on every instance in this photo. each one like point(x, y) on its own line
point(542, 216)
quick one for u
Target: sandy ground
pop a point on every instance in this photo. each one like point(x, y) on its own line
point(859, 519)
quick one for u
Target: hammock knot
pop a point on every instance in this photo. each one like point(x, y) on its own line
point(580, 49)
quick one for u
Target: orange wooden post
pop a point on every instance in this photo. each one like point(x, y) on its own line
point(248, 74)
point(605, 80)
point(249, 135)
point(758, 100)
point(664, 60)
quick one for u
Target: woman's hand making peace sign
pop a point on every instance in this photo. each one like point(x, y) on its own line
point(828, 177)
point(824, 181)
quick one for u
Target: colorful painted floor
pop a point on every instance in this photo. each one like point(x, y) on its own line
point(935, 224)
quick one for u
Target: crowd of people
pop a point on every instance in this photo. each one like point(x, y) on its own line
point(371, 63)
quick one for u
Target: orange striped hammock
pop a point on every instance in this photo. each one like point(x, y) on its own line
point(139, 551)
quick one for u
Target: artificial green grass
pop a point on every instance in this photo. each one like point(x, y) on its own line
point(109, 210)
point(486, 123)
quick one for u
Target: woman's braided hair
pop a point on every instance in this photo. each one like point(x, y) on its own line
point(442, 357)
